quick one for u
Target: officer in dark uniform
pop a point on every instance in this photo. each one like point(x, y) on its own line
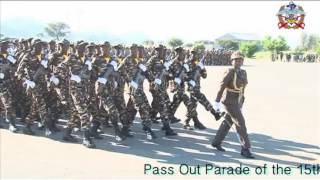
point(234, 83)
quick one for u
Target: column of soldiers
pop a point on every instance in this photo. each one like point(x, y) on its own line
point(85, 84)
point(288, 57)
point(218, 57)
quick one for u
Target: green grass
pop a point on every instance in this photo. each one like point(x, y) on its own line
point(262, 55)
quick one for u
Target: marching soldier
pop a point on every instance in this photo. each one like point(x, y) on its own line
point(234, 83)
point(197, 70)
point(78, 68)
point(135, 72)
point(179, 69)
point(159, 66)
point(7, 60)
point(35, 82)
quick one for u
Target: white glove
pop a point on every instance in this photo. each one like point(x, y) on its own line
point(1, 76)
point(134, 84)
point(30, 84)
point(44, 63)
point(115, 84)
point(186, 66)
point(192, 83)
point(217, 106)
point(201, 65)
point(167, 65)
point(11, 59)
point(75, 78)
point(157, 81)
point(142, 67)
point(177, 80)
point(115, 65)
point(54, 79)
point(63, 102)
point(89, 64)
point(102, 80)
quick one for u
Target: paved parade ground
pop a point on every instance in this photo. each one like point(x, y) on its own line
point(282, 116)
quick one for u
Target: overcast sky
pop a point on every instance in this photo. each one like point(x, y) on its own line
point(162, 19)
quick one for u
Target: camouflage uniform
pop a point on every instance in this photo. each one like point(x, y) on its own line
point(179, 69)
point(35, 77)
point(79, 69)
point(6, 67)
point(197, 70)
point(105, 85)
point(134, 76)
point(158, 88)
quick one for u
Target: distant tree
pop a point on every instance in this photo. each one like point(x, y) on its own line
point(205, 42)
point(1, 36)
point(312, 42)
point(279, 44)
point(249, 48)
point(199, 46)
point(57, 30)
point(303, 41)
point(228, 44)
point(189, 45)
point(175, 42)
point(318, 47)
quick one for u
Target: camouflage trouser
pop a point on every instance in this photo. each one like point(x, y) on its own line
point(64, 98)
point(155, 105)
point(141, 104)
point(107, 103)
point(179, 97)
point(7, 102)
point(80, 107)
point(52, 105)
point(21, 101)
point(121, 106)
point(161, 103)
point(201, 98)
point(131, 110)
point(197, 96)
point(38, 106)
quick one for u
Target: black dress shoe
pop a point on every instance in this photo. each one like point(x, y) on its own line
point(218, 147)
point(246, 153)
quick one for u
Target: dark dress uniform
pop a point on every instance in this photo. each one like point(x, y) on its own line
point(233, 84)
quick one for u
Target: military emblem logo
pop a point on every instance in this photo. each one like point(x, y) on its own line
point(291, 16)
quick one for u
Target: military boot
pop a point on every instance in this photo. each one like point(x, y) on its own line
point(126, 132)
point(198, 124)
point(169, 131)
point(27, 130)
point(87, 141)
point(150, 134)
point(187, 124)
point(94, 130)
point(67, 135)
point(12, 126)
point(118, 134)
point(175, 120)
